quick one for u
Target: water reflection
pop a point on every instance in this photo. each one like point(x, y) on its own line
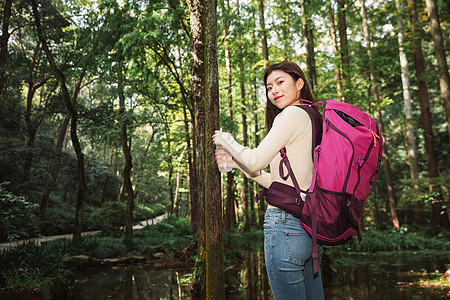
point(353, 276)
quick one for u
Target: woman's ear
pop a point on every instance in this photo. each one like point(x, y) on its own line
point(300, 83)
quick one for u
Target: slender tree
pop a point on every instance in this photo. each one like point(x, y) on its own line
point(263, 32)
point(385, 156)
point(308, 38)
point(128, 162)
point(344, 53)
point(410, 135)
point(438, 219)
point(7, 5)
point(230, 216)
point(337, 63)
point(439, 52)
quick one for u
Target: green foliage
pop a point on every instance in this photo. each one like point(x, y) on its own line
point(402, 239)
point(239, 244)
point(172, 235)
point(57, 219)
point(33, 267)
point(17, 216)
point(110, 218)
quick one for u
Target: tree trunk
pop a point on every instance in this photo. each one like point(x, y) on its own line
point(245, 203)
point(345, 58)
point(263, 33)
point(4, 47)
point(337, 63)
point(127, 163)
point(373, 80)
point(215, 280)
point(308, 38)
point(69, 101)
point(410, 135)
point(56, 164)
point(105, 185)
point(441, 61)
point(198, 128)
point(438, 219)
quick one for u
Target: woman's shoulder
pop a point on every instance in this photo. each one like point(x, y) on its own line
point(293, 111)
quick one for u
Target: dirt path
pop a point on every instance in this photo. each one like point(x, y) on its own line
point(54, 237)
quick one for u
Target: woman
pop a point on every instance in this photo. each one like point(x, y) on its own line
point(287, 245)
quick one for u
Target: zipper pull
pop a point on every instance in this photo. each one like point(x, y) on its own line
point(375, 137)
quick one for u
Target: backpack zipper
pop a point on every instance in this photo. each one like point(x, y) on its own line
point(329, 124)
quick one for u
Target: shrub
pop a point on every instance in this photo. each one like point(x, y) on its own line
point(171, 234)
point(17, 216)
point(110, 218)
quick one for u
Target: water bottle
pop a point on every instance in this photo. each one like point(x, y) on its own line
point(224, 159)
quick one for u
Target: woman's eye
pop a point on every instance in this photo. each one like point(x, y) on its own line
point(280, 82)
point(269, 88)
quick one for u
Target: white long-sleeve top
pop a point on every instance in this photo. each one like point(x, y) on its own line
point(292, 128)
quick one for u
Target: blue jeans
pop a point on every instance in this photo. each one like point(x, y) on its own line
point(288, 250)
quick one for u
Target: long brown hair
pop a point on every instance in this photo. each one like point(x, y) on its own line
point(295, 72)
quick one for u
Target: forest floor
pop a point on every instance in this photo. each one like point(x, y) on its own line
point(42, 239)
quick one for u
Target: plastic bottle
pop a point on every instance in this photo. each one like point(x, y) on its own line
point(224, 163)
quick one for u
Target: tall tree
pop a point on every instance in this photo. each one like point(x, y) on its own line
point(56, 163)
point(308, 38)
point(385, 156)
point(7, 5)
point(337, 62)
point(263, 32)
point(126, 148)
point(230, 216)
point(215, 280)
point(245, 202)
point(343, 40)
point(197, 185)
point(439, 52)
point(410, 135)
point(438, 219)
point(69, 101)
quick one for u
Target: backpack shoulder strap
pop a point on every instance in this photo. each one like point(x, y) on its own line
point(316, 121)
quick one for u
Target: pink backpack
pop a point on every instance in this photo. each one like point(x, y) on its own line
point(346, 163)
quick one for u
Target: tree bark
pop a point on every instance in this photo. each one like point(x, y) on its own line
point(438, 219)
point(198, 128)
point(127, 163)
point(439, 52)
point(337, 64)
point(215, 281)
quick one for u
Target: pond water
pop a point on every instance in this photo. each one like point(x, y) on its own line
point(384, 275)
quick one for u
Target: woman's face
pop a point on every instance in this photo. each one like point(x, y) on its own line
point(282, 90)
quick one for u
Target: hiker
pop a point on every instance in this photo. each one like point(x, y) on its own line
point(287, 246)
